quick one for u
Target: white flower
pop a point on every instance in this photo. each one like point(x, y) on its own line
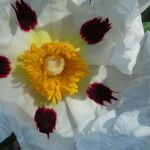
point(62, 21)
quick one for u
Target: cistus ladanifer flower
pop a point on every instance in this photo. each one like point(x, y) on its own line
point(53, 65)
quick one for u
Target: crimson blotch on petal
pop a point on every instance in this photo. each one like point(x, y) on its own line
point(94, 30)
point(5, 67)
point(45, 119)
point(26, 16)
point(100, 93)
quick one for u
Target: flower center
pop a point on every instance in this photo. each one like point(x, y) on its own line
point(54, 65)
point(51, 67)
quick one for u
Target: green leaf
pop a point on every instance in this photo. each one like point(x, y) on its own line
point(146, 26)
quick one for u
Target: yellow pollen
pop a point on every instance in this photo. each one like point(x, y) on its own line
point(54, 65)
point(51, 67)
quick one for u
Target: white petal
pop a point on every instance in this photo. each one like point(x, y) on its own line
point(116, 45)
point(63, 126)
point(16, 92)
point(123, 124)
point(79, 111)
point(12, 120)
point(5, 38)
point(78, 2)
point(130, 130)
point(134, 113)
point(12, 41)
point(51, 11)
point(88, 142)
point(5, 129)
point(79, 106)
point(39, 141)
point(143, 4)
point(19, 43)
point(106, 142)
point(143, 62)
point(135, 109)
point(7, 87)
point(126, 51)
point(104, 123)
point(140, 96)
point(48, 11)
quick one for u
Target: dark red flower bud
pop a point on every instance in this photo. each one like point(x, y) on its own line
point(4, 67)
point(26, 16)
point(100, 93)
point(45, 119)
point(94, 30)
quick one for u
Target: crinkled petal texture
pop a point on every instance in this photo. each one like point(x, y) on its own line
point(5, 38)
point(130, 129)
point(143, 62)
point(76, 109)
point(113, 130)
point(127, 127)
point(71, 113)
point(143, 4)
point(120, 45)
point(14, 120)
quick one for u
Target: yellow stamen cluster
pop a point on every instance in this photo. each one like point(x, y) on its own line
point(54, 69)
